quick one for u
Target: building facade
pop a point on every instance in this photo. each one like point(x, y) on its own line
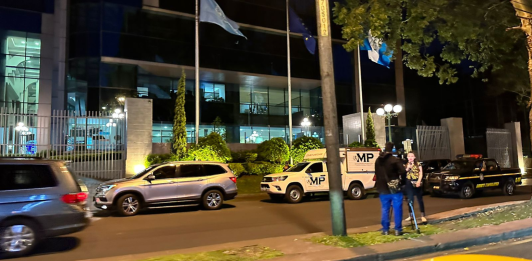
point(135, 48)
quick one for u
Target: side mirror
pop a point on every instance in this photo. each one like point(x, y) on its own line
point(150, 178)
point(308, 171)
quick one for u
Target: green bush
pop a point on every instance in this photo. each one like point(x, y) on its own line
point(263, 168)
point(216, 142)
point(251, 156)
point(238, 156)
point(371, 144)
point(237, 168)
point(356, 144)
point(203, 153)
point(158, 158)
point(302, 145)
point(274, 150)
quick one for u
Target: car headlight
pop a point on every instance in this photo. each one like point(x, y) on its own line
point(106, 188)
point(452, 177)
point(283, 178)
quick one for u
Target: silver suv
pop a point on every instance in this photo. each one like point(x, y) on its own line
point(174, 184)
point(38, 199)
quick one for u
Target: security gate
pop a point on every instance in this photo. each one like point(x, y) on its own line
point(433, 142)
point(499, 143)
point(92, 142)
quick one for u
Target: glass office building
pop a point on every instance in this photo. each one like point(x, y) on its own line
point(136, 48)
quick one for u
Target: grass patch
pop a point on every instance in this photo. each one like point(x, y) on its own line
point(250, 253)
point(493, 217)
point(375, 238)
point(249, 184)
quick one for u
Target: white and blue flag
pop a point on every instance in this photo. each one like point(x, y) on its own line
point(376, 50)
point(211, 12)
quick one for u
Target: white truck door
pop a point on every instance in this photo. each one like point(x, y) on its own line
point(316, 178)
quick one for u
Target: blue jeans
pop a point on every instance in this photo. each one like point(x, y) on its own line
point(387, 201)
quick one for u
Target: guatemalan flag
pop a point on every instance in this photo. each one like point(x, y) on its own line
point(211, 12)
point(297, 26)
point(376, 50)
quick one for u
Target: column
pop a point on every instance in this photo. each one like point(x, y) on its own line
point(517, 145)
point(139, 125)
point(456, 135)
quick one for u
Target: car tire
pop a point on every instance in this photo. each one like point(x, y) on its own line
point(27, 229)
point(467, 191)
point(509, 188)
point(276, 197)
point(294, 194)
point(213, 200)
point(128, 205)
point(356, 192)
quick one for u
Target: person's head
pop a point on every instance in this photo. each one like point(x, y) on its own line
point(411, 157)
point(389, 146)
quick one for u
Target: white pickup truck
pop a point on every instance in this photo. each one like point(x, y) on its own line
point(310, 177)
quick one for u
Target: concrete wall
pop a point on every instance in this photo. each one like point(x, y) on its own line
point(161, 148)
point(456, 135)
point(352, 127)
point(139, 121)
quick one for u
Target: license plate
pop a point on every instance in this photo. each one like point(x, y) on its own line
point(436, 187)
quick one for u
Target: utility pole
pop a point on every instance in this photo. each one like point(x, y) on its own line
point(336, 194)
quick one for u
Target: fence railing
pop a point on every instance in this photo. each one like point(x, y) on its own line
point(433, 142)
point(499, 143)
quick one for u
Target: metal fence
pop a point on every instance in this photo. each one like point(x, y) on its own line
point(92, 142)
point(433, 142)
point(499, 143)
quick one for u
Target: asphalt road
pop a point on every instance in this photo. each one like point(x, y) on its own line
point(519, 248)
point(245, 218)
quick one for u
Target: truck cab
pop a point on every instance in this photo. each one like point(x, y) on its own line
point(310, 177)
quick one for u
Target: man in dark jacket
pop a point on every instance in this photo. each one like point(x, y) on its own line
point(390, 169)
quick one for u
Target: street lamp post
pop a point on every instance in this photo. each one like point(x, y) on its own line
point(306, 123)
point(389, 112)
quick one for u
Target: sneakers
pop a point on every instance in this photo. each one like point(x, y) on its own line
point(424, 220)
point(385, 233)
point(408, 219)
point(398, 233)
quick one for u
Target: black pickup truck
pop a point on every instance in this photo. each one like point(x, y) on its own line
point(467, 176)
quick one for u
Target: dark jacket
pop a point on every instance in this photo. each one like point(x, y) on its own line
point(387, 164)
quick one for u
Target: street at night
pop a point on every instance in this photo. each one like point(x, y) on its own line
point(246, 218)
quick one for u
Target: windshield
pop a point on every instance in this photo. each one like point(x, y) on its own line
point(299, 167)
point(142, 173)
point(460, 165)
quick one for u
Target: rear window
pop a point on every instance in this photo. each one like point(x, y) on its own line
point(18, 177)
point(213, 170)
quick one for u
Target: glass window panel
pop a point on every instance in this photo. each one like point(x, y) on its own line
point(260, 95)
point(245, 133)
point(245, 108)
point(276, 110)
point(277, 97)
point(296, 98)
point(245, 94)
point(305, 98)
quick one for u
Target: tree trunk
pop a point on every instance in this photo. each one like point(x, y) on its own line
point(523, 10)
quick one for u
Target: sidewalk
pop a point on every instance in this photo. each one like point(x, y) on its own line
point(299, 248)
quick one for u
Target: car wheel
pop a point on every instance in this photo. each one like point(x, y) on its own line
point(356, 192)
point(128, 205)
point(509, 188)
point(294, 194)
point(18, 237)
point(276, 197)
point(467, 191)
point(213, 200)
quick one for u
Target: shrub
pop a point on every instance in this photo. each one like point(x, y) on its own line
point(203, 153)
point(302, 145)
point(237, 168)
point(356, 144)
point(251, 156)
point(371, 144)
point(158, 158)
point(216, 143)
point(263, 168)
point(274, 150)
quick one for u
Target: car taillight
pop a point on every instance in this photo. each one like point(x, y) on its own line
point(233, 179)
point(74, 198)
point(374, 177)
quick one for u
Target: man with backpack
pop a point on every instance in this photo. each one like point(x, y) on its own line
point(390, 174)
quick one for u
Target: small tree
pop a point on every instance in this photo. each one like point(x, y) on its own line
point(180, 120)
point(370, 126)
point(274, 150)
point(218, 127)
point(302, 145)
point(215, 142)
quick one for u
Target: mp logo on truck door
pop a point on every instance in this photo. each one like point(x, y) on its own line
point(316, 181)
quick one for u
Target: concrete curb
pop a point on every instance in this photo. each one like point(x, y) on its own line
point(445, 246)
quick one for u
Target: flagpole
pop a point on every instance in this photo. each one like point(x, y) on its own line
point(289, 74)
point(197, 87)
point(358, 84)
